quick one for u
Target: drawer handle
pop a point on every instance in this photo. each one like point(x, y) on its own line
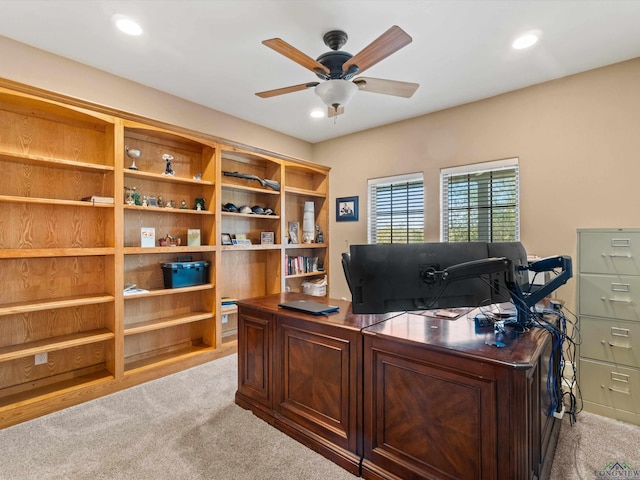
point(618, 255)
point(619, 332)
point(618, 301)
point(615, 390)
point(628, 347)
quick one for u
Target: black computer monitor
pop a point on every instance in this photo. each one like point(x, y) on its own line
point(400, 277)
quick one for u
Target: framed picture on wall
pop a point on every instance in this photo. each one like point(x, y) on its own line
point(347, 209)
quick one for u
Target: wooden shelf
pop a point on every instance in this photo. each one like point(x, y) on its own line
point(240, 248)
point(304, 192)
point(55, 252)
point(53, 201)
point(160, 323)
point(56, 343)
point(243, 188)
point(250, 215)
point(164, 358)
point(186, 211)
point(39, 160)
point(310, 274)
point(158, 177)
point(63, 302)
point(158, 250)
point(298, 246)
point(170, 291)
point(55, 389)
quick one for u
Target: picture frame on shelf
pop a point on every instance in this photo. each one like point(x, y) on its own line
point(347, 209)
point(293, 229)
point(226, 239)
point(152, 201)
point(267, 238)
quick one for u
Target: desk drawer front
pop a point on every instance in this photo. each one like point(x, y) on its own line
point(610, 296)
point(611, 341)
point(611, 385)
point(610, 252)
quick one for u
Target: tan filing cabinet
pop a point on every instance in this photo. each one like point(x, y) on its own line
point(609, 311)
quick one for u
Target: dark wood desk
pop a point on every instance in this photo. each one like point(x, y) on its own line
point(399, 396)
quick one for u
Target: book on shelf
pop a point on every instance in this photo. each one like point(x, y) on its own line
point(296, 265)
point(98, 199)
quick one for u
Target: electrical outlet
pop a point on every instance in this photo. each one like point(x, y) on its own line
point(225, 318)
point(41, 358)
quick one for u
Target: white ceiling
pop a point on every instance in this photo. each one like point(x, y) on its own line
point(210, 51)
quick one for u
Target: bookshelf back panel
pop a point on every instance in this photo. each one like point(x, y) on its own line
point(38, 279)
point(59, 363)
point(32, 326)
point(159, 341)
point(153, 308)
point(247, 274)
point(187, 156)
point(146, 271)
point(39, 181)
point(165, 222)
point(55, 226)
point(30, 127)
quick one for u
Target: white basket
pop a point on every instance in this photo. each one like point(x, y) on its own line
point(317, 288)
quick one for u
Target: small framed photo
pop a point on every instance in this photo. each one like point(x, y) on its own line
point(267, 238)
point(294, 227)
point(226, 239)
point(152, 201)
point(347, 209)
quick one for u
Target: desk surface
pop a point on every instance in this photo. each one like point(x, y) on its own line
point(457, 335)
point(343, 318)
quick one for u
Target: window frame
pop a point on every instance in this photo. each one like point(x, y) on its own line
point(374, 183)
point(477, 168)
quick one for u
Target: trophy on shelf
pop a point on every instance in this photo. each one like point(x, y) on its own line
point(168, 170)
point(133, 153)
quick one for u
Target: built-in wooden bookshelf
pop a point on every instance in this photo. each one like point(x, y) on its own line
point(71, 328)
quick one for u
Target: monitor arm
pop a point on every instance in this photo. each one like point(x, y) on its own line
point(524, 302)
point(544, 265)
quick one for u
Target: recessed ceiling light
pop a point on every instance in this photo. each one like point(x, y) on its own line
point(127, 25)
point(526, 40)
point(317, 113)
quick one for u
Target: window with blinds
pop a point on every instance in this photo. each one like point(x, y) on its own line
point(480, 203)
point(396, 209)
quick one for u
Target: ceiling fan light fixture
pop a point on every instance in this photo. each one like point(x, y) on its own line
point(336, 93)
point(317, 113)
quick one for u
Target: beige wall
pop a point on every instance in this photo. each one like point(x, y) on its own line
point(34, 67)
point(577, 138)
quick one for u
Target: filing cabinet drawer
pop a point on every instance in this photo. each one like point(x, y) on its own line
point(610, 385)
point(615, 252)
point(610, 296)
point(610, 341)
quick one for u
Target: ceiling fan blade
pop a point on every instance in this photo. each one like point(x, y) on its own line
point(387, 87)
point(296, 55)
point(333, 112)
point(291, 89)
point(389, 42)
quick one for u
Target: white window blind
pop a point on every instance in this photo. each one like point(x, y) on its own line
point(481, 202)
point(396, 209)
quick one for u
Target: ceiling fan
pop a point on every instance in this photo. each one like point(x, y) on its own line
point(337, 68)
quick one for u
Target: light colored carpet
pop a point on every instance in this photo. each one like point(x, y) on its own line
point(591, 447)
point(187, 426)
